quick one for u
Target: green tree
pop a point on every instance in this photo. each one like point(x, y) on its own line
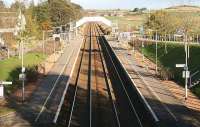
point(16, 5)
point(32, 26)
point(2, 6)
point(61, 12)
point(41, 12)
point(163, 22)
point(57, 12)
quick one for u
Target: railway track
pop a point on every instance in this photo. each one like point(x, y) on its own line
point(100, 94)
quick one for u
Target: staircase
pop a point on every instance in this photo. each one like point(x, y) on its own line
point(194, 79)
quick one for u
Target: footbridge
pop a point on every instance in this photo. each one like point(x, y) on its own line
point(97, 19)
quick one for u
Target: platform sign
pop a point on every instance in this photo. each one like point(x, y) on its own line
point(187, 74)
point(22, 77)
point(23, 69)
point(180, 65)
point(5, 83)
point(1, 91)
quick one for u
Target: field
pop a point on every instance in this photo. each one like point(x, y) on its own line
point(176, 55)
point(133, 21)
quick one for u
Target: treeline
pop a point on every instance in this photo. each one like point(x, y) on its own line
point(139, 10)
point(165, 22)
point(45, 15)
point(50, 14)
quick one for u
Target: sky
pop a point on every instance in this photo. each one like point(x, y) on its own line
point(8, 2)
point(127, 4)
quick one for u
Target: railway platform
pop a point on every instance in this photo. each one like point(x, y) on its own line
point(167, 108)
point(43, 106)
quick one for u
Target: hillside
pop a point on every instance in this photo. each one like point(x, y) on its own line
point(184, 8)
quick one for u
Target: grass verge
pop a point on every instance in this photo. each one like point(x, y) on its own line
point(11, 68)
point(175, 54)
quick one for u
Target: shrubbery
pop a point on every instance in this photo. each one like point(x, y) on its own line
point(175, 55)
point(31, 76)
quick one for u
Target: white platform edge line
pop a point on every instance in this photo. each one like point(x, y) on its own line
point(152, 91)
point(55, 84)
point(145, 101)
point(66, 88)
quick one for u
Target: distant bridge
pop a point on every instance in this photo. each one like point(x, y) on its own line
point(85, 20)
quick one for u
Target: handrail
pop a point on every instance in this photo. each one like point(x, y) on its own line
point(192, 75)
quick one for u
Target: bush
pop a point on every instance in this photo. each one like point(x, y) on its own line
point(32, 74)
point(166, 73)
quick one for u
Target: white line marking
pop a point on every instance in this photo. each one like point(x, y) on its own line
point(43, 107)
point(143, 98)
point(66, 88)
point(152, 91)
point(136, 114)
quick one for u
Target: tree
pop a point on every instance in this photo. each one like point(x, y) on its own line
point(173, 23)
point(32, 26)
point(162, 22)
point(41, 13)
point(47, 14)
point(143, 9)
point(2, 6)
point(136, 9)
point(16, 5)
point(61, 12)
point(57, 12)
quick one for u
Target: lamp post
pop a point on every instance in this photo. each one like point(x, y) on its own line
point(186, 66)
point(142, 35)
point(20, 28)
point(23, 71)
point(186, 73)
point(156, 51)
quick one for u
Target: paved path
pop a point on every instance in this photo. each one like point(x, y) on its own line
point(42, 107)
point(170, 111)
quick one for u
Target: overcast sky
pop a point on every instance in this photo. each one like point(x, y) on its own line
point(127, 4)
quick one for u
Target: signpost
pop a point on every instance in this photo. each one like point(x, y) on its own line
point(22, 77)
point(186, 75)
